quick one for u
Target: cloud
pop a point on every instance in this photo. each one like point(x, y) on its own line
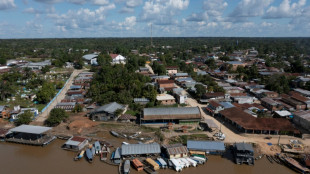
point(250, 8)
point(133, 3)
point(129, 23)
point(198, 17)
point(162, 12)
point(214, 7)
point(7, 4)
point(31, 10)
point(82, 18)
point(100, 2)
point(286, 9)
point(49, 1)
point(130, 5)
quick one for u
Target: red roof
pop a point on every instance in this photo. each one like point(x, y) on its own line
point(297, 96)
point(113, 56)
point(237, 94)
point(165, 81)
point(247, 106)
point(79, 139)
point(214, 103)
point(247, 121)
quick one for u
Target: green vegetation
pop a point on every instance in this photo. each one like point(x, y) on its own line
point(77, 108)
point(24, 118)
point(56, 116)
point(183, 138)
point(46, 93)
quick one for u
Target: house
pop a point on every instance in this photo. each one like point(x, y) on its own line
point(75, 143)
point(303, 92)
point(235, 64)
point(91, 59)
point(180, 95)
point(157, 78)
point(302, 118)
point(165, 99)
point(140, 149)
point(176, 151)
point(75, 92)
point(214, 107)
point(244, 153)
point(67, 106)
point(171, 114)
point(180, 75)
point(74, 98)
point(141, 101)
point(283, 114)
point(106, 112)
point(171, 70)
point(214, 95)
point(233, 89)
point(208, 147)
point(244, 99)
point(271, 104)
point(37, 65)
point(295, 103)
point(168, 85)
point(297, 96)
point(4, 113)
point(118, 59)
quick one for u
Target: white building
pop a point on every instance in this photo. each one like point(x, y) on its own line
point(118, 59)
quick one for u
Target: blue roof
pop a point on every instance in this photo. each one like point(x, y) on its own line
point(227, 105)
point(205, 145)
point(75, 87)
point(235, 62)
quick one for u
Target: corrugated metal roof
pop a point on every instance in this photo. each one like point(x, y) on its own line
point(90, 56)
point(2, 108)
point(244, 146)
point(205, 145)
point(117, 153)
point(141, 100)
point(30, 129)
point(177, 150)
point(171, 111)
point(140, 149)
point(109, 108)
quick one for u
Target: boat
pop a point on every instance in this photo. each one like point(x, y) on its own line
point(117, 156)
point(97, 147)
point(114, 133)
point(104, 153)
point(187, 164)
point(79, 155)
point(269, 159)
point(137, 164)
point(163, 163)
point(293, 164)
point(126, 167)
point(176, 165)
point(125, 143)
point(89, 155)
point(151, 162)
point(192, 162)
point(93, 150)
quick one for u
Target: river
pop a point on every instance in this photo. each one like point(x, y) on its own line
point(51, 159)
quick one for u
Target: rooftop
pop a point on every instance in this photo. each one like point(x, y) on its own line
point(171, 113)
point(244, 147)
point(30, 129)
point(109, 108)
point(140, 149)
point(90, 56)
point(161, 97)
point(205, 145)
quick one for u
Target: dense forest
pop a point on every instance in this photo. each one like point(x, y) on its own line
point(59, 48)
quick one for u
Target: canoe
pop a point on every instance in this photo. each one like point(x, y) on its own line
point(126, 167)
point(89, 155)
point(137, 164)
point(93, 151)
point(97, 147)
point(79, 155)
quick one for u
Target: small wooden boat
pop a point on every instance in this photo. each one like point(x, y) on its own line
point(137, 164)
point(126, 167)
point(104, 153)
point(79, 155)
point(114, 133)
point(269, 159)
point(293, 164)
point(89, 155)
point(97, 147)
point(93, 150)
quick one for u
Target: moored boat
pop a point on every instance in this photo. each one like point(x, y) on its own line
point(79, 155)
point(137, 164)
point(89, 155)
point(97, 147)
point(126, 167)
point(293, 164)
point(104, 153)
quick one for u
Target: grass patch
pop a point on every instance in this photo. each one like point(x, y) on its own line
point(40, 107)
point(111, 125)
point(131, 112)
point(148, 129)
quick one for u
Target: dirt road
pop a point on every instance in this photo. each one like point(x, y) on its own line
point(150, 68)
point(43, 116)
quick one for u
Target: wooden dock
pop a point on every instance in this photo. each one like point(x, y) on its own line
point(39, 142)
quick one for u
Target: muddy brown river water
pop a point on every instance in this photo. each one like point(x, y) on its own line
point(23, 159)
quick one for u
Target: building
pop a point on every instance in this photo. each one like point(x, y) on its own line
point(168, 85)
point(303, 92)
point(297, 96)
point(106, 112)
point(295, 103)
point(37, 65)
point(180, 75)
point(118, 59)
point(75, 144)
point(67, 106)
point(271, 104)
point(208, 147)
point(233, 89)
point(246, 123)
point(28, 134)
point(140, 149)
point(91, 59)
point(180, 95)
point(175, 151)
point(244, 153)
point(235, 64)
point(171, 70)
point(4, 113)
point(244, 99)
point(302, 118)
point(214, 107)
point(142, 101)
point(127, 118)
point(283, 114)
point(173, 114)
point(165, 99)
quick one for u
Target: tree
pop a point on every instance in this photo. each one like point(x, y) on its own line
point(78, 64)
point(6, 89)
point(200, 90)
point(57, 115)
point(24, 118)
point(77, 108)
point(118, 112)
point(46, 69)
point(46, 93)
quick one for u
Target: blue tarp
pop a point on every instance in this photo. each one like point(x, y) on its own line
point(269, 144)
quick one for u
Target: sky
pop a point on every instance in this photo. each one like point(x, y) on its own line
point(165, 18)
